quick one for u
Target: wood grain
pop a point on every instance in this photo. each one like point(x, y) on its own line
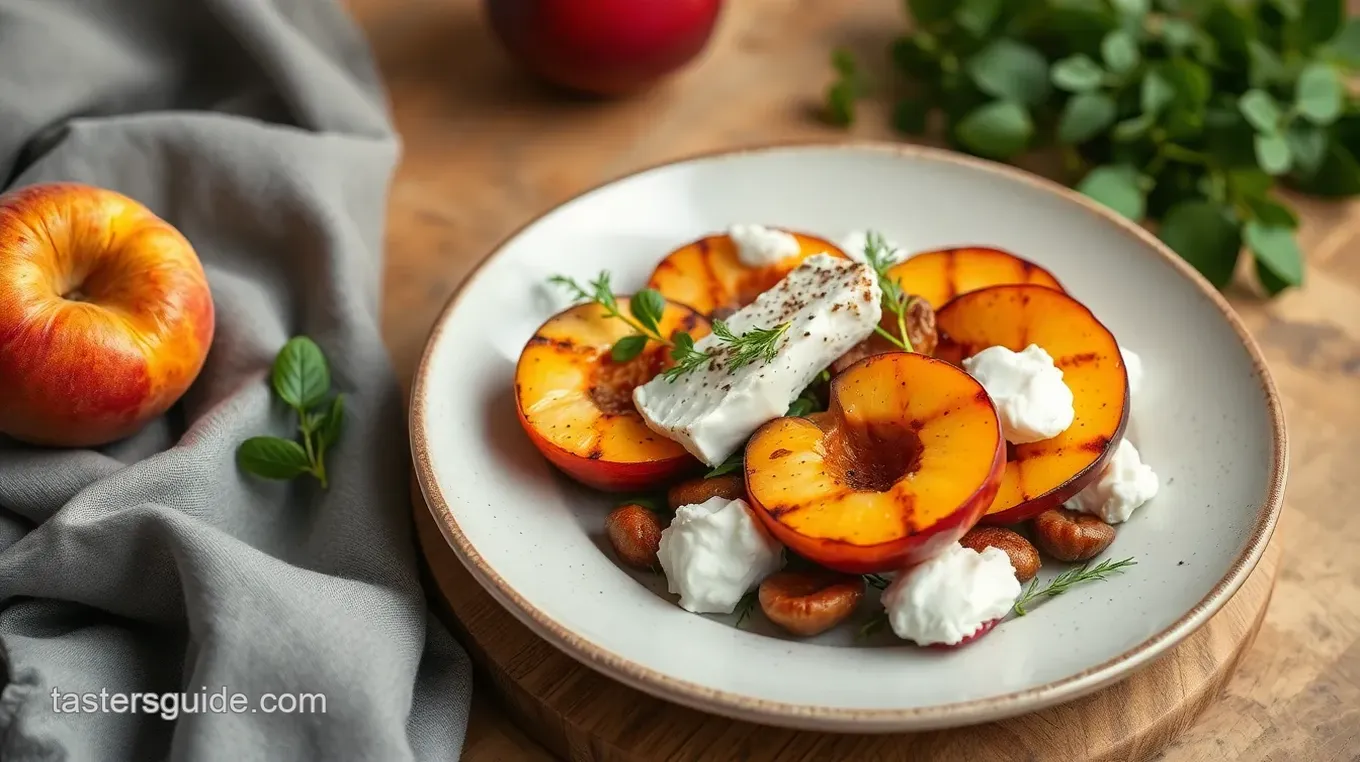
point(487, 149)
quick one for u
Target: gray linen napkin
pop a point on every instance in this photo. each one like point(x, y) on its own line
point(152, 565)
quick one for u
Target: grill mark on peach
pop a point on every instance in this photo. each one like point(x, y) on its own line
point(561, 345)
point(1073, 361)
point(1026, 270)
point(780, 453)
point(717, 292)
point(951, 274)
point(1096, 445)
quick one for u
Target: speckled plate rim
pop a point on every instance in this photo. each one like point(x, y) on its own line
point(865, 720)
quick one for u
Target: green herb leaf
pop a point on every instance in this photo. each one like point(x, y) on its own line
point(333, 425)
point(1010, 70)
point(998, 130)
point(1273, 214)
point(1271, 283)
point(910, 115)
point(1133, 10)
point(1319, 94)
point(1067, 580)
point(628, 347)
point(1320, 20)
point(1345, 46)
point(1264, 67)
point(1272, 153)
point(1118, 188)
point(1204, 236)
point(1338, 176)
point(731, 465)
point(928, 12)
point(1308, 146)
point(801, 407)
point(840, 104)
point(977, 16)
point(301, 376)
point(1086, 116)
point(1120, 51)
point(1077, 74)
point(272, 458)
point(1156, 93)
point(1260, 110)
point(1132, 129)
point(1276, 249)
point(647, 307)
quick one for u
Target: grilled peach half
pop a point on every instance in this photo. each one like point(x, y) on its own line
point(1043, 474)
point(905, 460)
point(708, 276)
point(576, 403)
point(938, 276)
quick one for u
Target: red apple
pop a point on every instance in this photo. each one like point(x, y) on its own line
point(606, 47)
point(105, 315)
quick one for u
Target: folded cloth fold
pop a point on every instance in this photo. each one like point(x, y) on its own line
point(154, 566)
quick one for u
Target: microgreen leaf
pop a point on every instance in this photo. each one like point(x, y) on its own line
point(1011, 71)
point(647, 307)
point(1118, 188)
point(301, 377)
point(1319, 94)
point(272, 458)
point(1120, 51)
point(628, 347)
point(1204, 236)
point(998, 130)
point(1276, 249)
point(1272, 153)
point(1077, 74)
point(1086, 116)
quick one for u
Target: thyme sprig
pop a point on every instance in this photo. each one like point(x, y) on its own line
point(1069, 579)
point(645, 310)
point(878, 255)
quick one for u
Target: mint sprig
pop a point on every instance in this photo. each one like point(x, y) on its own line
point(301, 378)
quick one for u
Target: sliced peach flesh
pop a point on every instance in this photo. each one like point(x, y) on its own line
point(907, 458)
point(708, 276)
point(1043, 474)
point(938, 276)
point(576, 403)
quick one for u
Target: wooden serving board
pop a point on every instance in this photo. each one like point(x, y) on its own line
point(581, 715)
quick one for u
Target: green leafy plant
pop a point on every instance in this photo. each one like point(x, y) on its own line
point(1184, 113)
point(302, 379)
point(645, 311)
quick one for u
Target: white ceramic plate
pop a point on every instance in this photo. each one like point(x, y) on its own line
point(1207, 420)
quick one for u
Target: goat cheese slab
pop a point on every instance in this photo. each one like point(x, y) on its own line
point(759, 246)
point(830, 304)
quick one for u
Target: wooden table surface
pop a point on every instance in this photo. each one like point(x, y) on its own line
point(486, 149)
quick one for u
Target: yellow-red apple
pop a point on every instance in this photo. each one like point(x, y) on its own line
point(105, 315)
